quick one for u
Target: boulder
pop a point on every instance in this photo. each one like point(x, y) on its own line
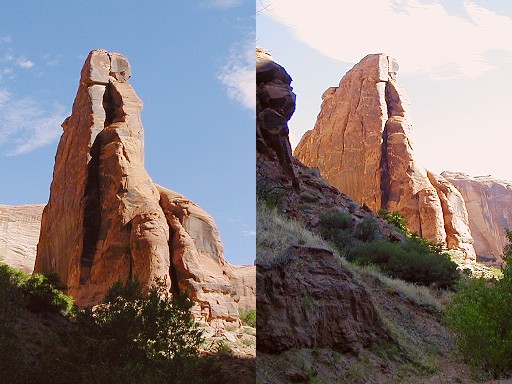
point(313, 304)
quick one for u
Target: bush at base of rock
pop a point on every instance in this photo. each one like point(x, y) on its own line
point(411, 261)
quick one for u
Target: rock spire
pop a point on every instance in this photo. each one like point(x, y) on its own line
point(362, 145)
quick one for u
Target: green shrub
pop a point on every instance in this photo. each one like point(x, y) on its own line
point(153, 328)
point(248, 317)
point(366, 229)
point(409, 261)
point(43, 295)
point(337, 227)
point(395, 219)
point(338, 220)
point(480, 316)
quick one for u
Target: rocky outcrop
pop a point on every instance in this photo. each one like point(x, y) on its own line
point(107, 221)
point(308, 299)
point(245, 285)
point(361, 144)
point(488, 202)
point(313, 304)
point(275, 104)
point(19, 234)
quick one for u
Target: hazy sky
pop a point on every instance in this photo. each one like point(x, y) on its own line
point(193, 67)
point(455, 62)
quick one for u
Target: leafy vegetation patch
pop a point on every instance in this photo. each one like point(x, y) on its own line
point(414, 260)
point(130, 338)
point(248, 317)
point(480, 316)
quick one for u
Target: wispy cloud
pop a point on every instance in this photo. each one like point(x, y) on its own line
point(25, 125)
point(221, 4)
point(424, 36)
point(249, 233)
point(5, 39)
point(239, 75)
point(24, 63)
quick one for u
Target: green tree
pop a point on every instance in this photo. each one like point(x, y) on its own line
point(480, 317)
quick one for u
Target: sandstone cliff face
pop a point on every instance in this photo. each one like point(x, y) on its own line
point(361, 144)
point(488, 202)
point(107, 221)
point(19, 234)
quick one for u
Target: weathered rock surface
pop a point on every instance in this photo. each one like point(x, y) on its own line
point(275, 104)
point(107, 221)
point(245, 285)
point(489, 205)
point(311, 301)
point(19, 234)
point(361, 144)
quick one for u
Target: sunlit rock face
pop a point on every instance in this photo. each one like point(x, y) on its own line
point(19, 234)
point(107, 221)
point(361, 144)
point(488, 202)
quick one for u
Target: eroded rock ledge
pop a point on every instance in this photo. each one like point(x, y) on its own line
point(107, 221)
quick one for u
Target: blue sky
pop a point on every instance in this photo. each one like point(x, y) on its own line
point(455, 62)
point(193, 67)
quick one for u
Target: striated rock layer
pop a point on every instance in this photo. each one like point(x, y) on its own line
point(19, 234)
point(107, 221)
point(361, 144)
point(489, 205)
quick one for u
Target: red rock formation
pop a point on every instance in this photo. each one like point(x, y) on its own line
point(19, 233)
point(106, 220)
point(313, 304)
point(488, 202)
point(275, 104)
point(361, 145)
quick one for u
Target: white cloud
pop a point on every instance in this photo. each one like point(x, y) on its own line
point(249, 233)
point(25, 125)
point(222, 4)
point(24, 63)
point(5, 39)
point(239, 75)
point(422, 35)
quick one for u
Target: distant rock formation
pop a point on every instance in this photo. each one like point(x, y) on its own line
point(489, 205)
point(361, 144)
point(19, 234)
point(107, 221)
point(309, 300)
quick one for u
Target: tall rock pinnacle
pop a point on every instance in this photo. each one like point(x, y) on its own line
point(104, 221)
point(361, 143)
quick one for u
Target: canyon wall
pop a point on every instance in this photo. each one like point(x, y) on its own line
point(19, 234)
point(489, 205)
point(361, 144)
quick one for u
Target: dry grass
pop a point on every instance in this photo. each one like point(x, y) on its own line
point(418, 294)
point(276, 234)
